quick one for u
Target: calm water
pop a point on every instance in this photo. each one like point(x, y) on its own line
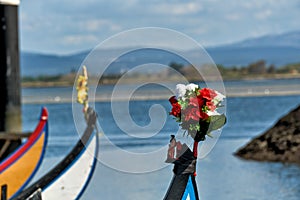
point(148, 91)
point(220, 174)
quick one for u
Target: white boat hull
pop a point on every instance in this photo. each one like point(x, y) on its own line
point(70, 184)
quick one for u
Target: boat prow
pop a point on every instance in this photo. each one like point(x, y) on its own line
point(69, 178)
point(20, 166)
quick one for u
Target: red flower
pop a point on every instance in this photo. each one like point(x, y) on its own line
point(173, 100)
point(176, 110)
point(203, 115)
point(210, 105)
point(194, 114)
point(208, 94)
point(196, 101)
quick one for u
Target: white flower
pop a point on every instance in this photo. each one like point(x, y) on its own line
point(212, 113)
point(220, 97)
point(192, 87)
point(180, 90)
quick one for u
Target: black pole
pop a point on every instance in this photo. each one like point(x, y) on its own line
point(10, 92)
point(3, 89)
point(3, 192)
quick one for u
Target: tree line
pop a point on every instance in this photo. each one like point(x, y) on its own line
point(258, 68)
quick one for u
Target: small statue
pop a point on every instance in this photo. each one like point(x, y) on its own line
point(178, 149)
point(174, 145)
point(82, 89)
point(171, 150)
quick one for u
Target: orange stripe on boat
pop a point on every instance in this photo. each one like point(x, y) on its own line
point(18, 169)
point(34, 136)
point(17, 174)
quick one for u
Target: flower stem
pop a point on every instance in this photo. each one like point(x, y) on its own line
point(195, 149)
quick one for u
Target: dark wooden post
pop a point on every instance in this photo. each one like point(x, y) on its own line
point(10, 91)
point(3, 192)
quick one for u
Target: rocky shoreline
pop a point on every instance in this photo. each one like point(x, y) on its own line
point(281, 143)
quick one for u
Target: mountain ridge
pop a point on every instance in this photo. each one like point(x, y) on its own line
point(290, 39)
point(277, 49)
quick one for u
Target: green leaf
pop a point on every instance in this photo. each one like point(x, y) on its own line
point(216, 122)
point(209, 135)
point(183, 104)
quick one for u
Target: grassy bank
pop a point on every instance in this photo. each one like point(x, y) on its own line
point(254, 71)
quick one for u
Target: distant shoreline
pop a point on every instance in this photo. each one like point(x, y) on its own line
point(60, 94)
point(143, 98)
point(70, 80)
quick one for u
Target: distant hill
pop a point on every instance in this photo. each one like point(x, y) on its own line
point(35, 64)
point(290, 39)
point(241, 56)
point(275, 49)
point(279, 49)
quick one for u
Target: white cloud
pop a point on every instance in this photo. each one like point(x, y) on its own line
point(78, 39)
point(115, 27)
point(197, 30)
point(99, 24)
point(233, 16)
point(263, 14)
point(93, 25)
point(177, 8)
point(210, 22)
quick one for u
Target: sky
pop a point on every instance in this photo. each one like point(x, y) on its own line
point(68, 26)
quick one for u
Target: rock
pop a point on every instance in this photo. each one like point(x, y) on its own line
point(281, 143)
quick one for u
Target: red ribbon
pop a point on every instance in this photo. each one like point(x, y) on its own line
point(195, 149)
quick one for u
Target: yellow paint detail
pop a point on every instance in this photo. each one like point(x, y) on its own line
point(19, 172)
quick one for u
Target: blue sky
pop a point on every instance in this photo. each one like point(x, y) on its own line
point(68, 26)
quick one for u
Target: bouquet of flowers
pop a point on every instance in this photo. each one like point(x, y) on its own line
point(195, 110)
